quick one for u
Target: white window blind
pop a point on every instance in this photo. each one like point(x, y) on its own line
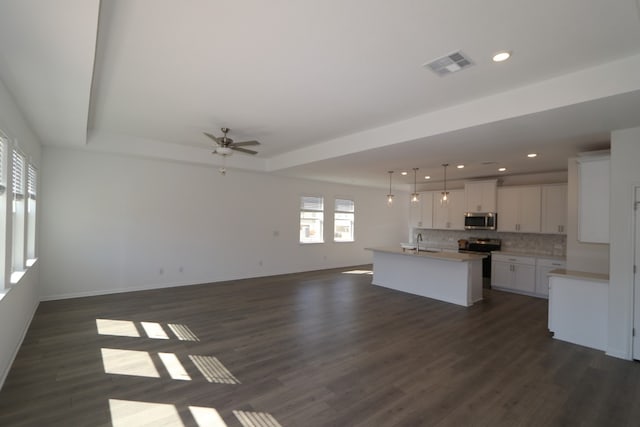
point(18, 175)
point(344, 205)
point(310, 203)
point(32, 180)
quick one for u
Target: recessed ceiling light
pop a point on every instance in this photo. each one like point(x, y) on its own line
point(460, 166)
point(502, 169)
point(501, 56)
point(403, 173)
point(532, 155)
point(427, 177)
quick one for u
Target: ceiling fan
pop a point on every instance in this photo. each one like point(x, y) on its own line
point(226, 146)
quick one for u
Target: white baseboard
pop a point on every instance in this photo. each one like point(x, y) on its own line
point(114, 291)
point(620, 354)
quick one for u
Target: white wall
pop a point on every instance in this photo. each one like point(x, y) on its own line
point(17, 303)
point(113, 223)
point(591, 257)
point(625, 175)
point(17, 308)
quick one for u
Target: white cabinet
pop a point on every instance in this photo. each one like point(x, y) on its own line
point(451, 215)
point(480, 196)
point(543, 267)
point(514, 273)
point(593, 199)
point(519, 209)
point(554, 209)
point(421, 212)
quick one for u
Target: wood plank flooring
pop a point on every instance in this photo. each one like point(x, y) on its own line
point(312, 349)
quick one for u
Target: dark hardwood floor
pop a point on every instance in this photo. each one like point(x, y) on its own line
point(314, 349)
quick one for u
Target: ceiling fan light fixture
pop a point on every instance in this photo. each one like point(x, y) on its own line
point(224, 151)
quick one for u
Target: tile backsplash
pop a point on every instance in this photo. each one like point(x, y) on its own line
point(529, 243)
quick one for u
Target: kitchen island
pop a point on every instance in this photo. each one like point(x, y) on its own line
point(446, 276)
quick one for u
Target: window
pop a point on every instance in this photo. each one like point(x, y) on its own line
point(32, 182)
point(343, 221)
point(311, 219)
point(17, 253)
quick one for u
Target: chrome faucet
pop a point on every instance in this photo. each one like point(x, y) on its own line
point(418, 240)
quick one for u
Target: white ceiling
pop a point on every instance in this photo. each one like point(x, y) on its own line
point(334, 90)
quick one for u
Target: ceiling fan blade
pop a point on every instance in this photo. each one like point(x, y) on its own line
point(243, 150)
point(215, 138)
point(245, 143)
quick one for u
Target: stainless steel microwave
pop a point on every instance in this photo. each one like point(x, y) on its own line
point(480, 220)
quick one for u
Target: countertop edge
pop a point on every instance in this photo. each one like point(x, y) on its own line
point(445, 256)
point(581, 275)
point(530, 255)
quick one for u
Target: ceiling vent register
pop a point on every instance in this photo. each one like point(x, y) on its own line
point(449, 64)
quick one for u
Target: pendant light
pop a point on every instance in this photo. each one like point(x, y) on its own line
point(414, 195)
point(390, 195)
point(445, 194)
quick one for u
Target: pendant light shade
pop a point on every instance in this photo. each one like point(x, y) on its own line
point(390, 195)
point(415, 195)
point(444, 199)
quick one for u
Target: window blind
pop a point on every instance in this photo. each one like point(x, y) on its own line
point(310, 203)
point(32, 180)
point(344, 205)
point(18, 174)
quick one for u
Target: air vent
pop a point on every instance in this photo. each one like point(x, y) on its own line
point(451, 63)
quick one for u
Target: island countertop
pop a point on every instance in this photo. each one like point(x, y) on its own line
point(446, 256)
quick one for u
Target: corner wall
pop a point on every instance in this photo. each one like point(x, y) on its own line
point(118, 223)
point(625, 175)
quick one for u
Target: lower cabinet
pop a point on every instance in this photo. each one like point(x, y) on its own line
point(543, 267)
point(514, 273)
point(523, 274)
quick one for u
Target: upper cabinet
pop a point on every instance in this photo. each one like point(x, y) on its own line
point(451, 215)
point(554, 209)
point(593, 199)
point(519, 209)
point(480, 196)
point(421, 213)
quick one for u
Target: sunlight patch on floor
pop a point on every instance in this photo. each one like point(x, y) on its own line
point(128, 362)
point(256, 419)
point(174, 367)
point(358, 272)
point(206, 417)
point(213, 370)
point(121, 328)
point(182, 332)
point(154, 330)
point(129, 413)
